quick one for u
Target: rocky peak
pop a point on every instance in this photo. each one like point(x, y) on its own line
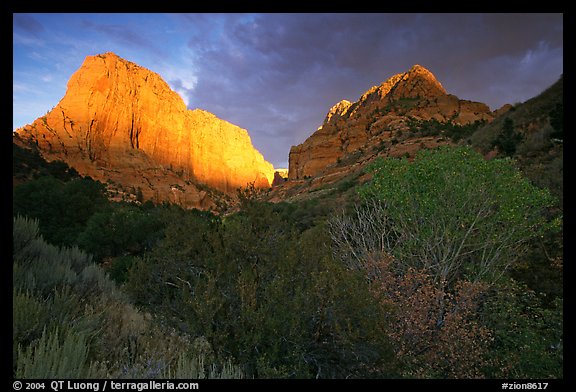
point(121, 120)
point(419, 72)
point(337, 111)
point(418, 82)
point(379, 114)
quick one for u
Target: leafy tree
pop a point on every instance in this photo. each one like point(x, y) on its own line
point(120, 230)
point(62, 208)
point(508, 139)
point(432, 237)
point(256, 287)
point(557, 121)
point(452, 213)
point(528, 338)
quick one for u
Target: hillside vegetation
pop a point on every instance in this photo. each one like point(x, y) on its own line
point(420, 274)
point(532, 133)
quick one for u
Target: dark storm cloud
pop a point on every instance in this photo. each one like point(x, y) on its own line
point(278, 74)
point(502, 58)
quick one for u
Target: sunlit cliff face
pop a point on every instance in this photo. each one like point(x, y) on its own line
point(117, 115)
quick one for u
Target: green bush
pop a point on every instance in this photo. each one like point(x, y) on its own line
point(195, 368)
point(57, 357)
point(29, 315)
point(25, 230)
point(40, 267)
point(69, 317)
point(527, 337)
point(120, 267)
point(456, 214)
point(556, 116)
point(121, 230)
point(62, 208)
point(262, 291)
point(28, 163)
point(508, 139)
point(94, 282)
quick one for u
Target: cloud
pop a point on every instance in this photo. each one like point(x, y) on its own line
point(183, 86)
point(28, 24)
point(121, 33)
point(277, 75)
point(20, 39)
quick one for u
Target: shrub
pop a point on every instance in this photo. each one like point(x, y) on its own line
point(57, 357)
point(535, 142)
point(436, 333)
point(38, 269)
point(119, 268)
point(557, 121)
point(93, 282)
point(62, 208)
point(454, 213)
point(528, 337)
point(193, 368)
point(69, 317)
point(507, 140)
point(265, 293)
point(122, 230)
point(25, 230)
point(39, 266)
point(29, 315)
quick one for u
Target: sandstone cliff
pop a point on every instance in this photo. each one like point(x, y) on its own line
point(384, 111)
point(120, 122)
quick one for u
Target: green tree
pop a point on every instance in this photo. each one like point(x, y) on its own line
point(508, 139)
point(28, 163)
point(62, 208)
point(257, 288)
point(122, 229)
point(528, 338)
point(452, 213)
point(557, 121)
point(434, 237)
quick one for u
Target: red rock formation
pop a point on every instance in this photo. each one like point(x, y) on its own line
point(379, 113)
point(118, 116)
point(280, 177)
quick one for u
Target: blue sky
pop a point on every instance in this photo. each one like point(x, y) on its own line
point(277, 75)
